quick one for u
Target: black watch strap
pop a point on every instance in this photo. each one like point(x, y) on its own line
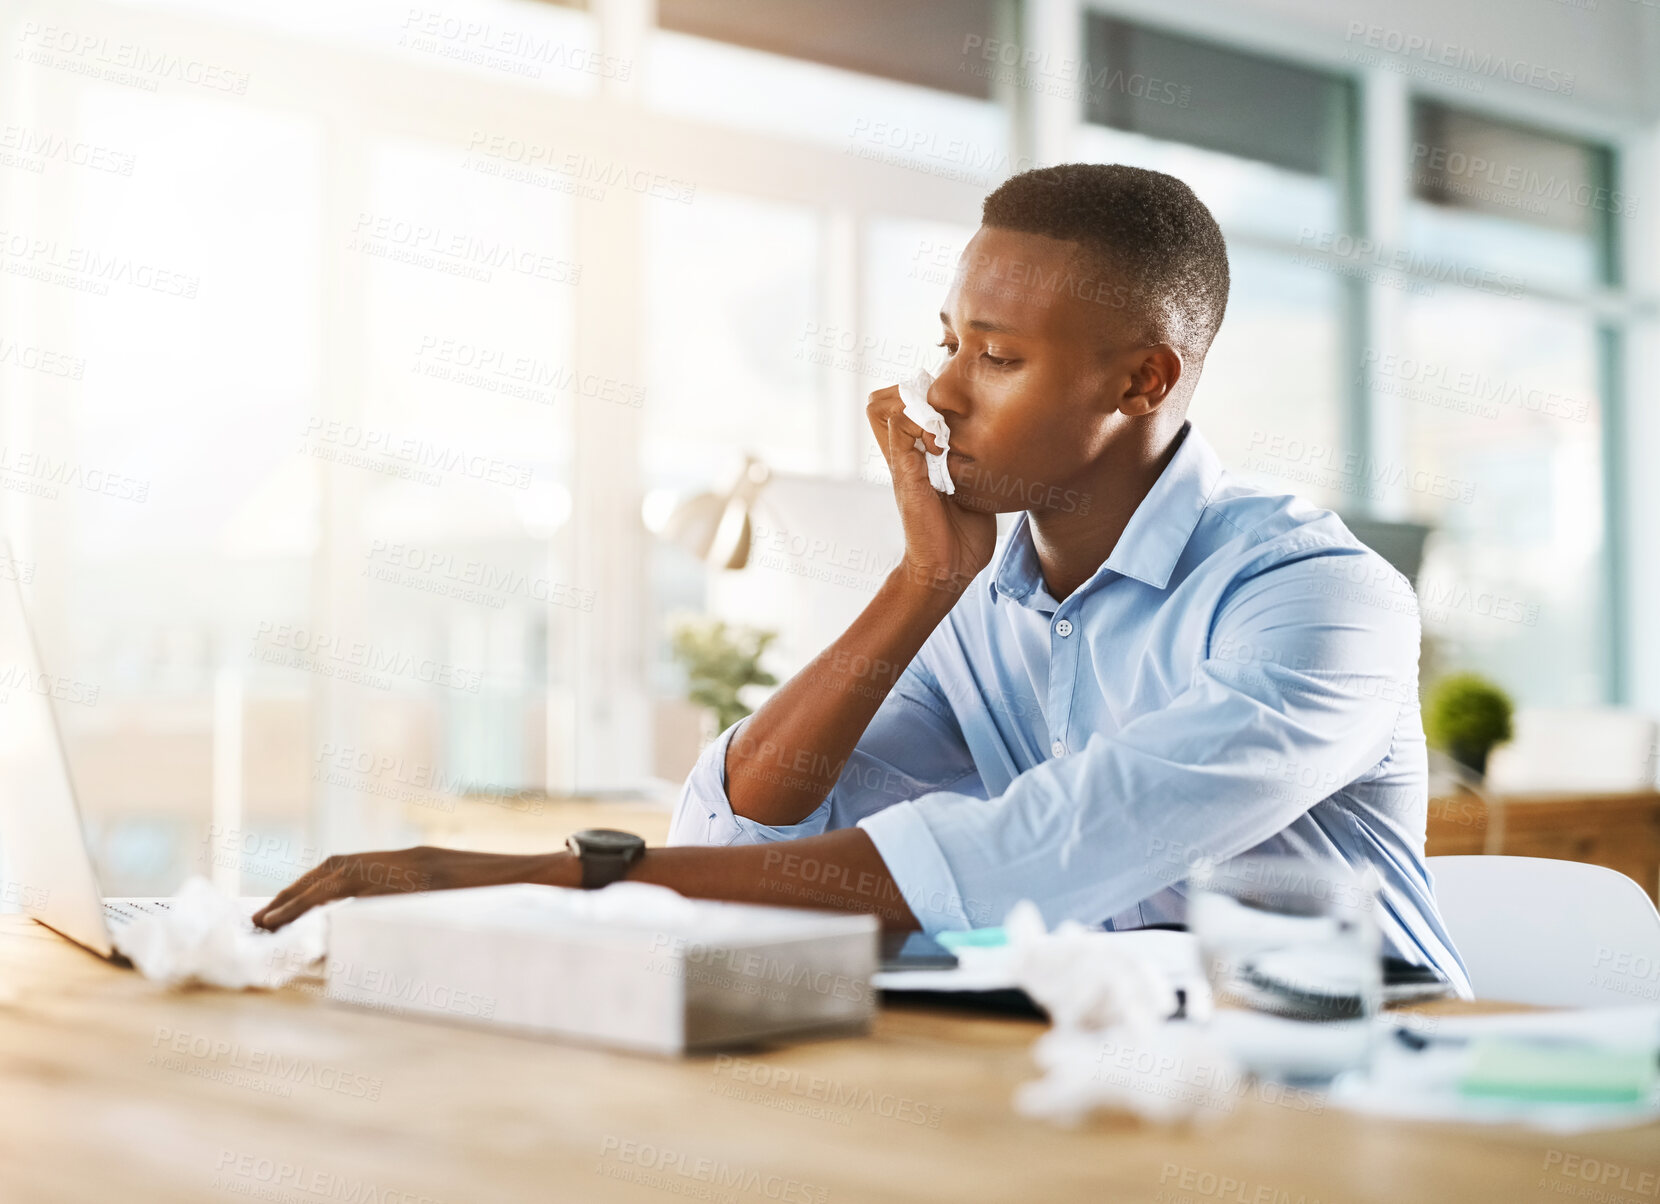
point(602, 869)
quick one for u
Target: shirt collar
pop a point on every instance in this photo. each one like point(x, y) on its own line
point(1153, 541)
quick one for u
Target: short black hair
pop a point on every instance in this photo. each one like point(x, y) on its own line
point(1145, 227)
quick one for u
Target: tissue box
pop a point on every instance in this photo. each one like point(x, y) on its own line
point(633, 966)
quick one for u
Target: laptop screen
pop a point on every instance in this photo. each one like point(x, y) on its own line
point(47, 870)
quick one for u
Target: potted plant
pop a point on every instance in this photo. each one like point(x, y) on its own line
point(719, 661)
point(1467, 716)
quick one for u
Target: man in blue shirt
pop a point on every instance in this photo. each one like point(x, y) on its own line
point(1160, 664)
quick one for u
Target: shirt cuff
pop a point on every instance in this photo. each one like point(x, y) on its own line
point(703, 815)
point(919, 870)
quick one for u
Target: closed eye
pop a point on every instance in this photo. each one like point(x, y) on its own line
point(996, 361)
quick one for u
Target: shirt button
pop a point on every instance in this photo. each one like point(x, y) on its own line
point(1063, 628)
point(1058, 749)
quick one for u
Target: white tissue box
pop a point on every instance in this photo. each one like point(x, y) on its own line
point(632, 966)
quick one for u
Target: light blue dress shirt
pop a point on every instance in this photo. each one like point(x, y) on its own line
point(1240, 675)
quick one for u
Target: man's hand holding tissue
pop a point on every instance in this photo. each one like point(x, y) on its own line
point(812, 723)
point(946, 543)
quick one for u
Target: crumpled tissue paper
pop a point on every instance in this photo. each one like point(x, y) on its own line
point(914, 393)
point(203, 939)
point(1113, 1046)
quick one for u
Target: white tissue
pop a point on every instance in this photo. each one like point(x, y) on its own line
point(1082, 978)
point(202, 938)
point(1113, 1046)
point(1171, 1074)
point(914, 393)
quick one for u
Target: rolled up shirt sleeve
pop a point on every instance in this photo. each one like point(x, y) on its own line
point(1298, 695)
point(913, 746)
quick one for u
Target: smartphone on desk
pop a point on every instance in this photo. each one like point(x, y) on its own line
point(915, 951)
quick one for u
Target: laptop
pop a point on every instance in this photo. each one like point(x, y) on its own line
point(48, 867)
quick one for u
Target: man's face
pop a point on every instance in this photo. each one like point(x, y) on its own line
point(1039, 354)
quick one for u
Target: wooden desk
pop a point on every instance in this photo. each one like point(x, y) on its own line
point(1620, 831)
point(97, 1105)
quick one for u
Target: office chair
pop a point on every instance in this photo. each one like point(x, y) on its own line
point(1554, 933)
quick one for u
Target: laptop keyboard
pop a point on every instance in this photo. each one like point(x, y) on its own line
point(121, 912)
point(124, 912)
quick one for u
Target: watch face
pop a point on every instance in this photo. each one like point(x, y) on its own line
point(605, 840)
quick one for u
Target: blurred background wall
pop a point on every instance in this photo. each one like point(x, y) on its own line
point(355, 356)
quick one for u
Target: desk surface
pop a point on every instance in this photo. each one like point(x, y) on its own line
point(112, 1089)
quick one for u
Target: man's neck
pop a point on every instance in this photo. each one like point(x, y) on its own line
point(1072, 544)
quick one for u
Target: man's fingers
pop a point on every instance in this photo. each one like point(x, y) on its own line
point(898, 422)
point(910, 470)
point(907, 433)
point(887, 410)
point(326, 868)
point(283, 911)
point(293, 890)
point(902, 437)
point(280, 909)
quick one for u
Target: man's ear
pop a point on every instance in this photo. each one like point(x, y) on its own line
point(1152, 380)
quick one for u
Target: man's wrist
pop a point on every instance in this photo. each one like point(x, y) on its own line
point(561, 868)
point(931, 591)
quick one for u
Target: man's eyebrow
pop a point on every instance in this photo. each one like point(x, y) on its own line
point(982, 324)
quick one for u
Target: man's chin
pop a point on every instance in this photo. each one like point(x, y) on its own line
point(994, 492)
point(967, 479)
point(977, 500)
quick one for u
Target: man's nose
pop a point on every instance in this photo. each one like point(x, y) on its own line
point(947, 394)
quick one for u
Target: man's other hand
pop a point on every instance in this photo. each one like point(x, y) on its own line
point(400, 871)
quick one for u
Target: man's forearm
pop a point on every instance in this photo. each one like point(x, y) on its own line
point(838, 871)
point(788, 755)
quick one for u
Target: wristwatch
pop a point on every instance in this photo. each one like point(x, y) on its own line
point(605, 854)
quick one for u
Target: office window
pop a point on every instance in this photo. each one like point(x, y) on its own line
point(545, 44)
point(921, 42)
point(1246, 196)
point(1500, 393)
point(199, 339)
point(549, 45)
point(1264, 145)
point(731, 298)
point(467, 361)
point(908, 268)
point(836, 178)
point(1271, 396)
point(1177, 89)
point(866, 118)
point(1533, 208)
point(731, 315)
point(1498, 399)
